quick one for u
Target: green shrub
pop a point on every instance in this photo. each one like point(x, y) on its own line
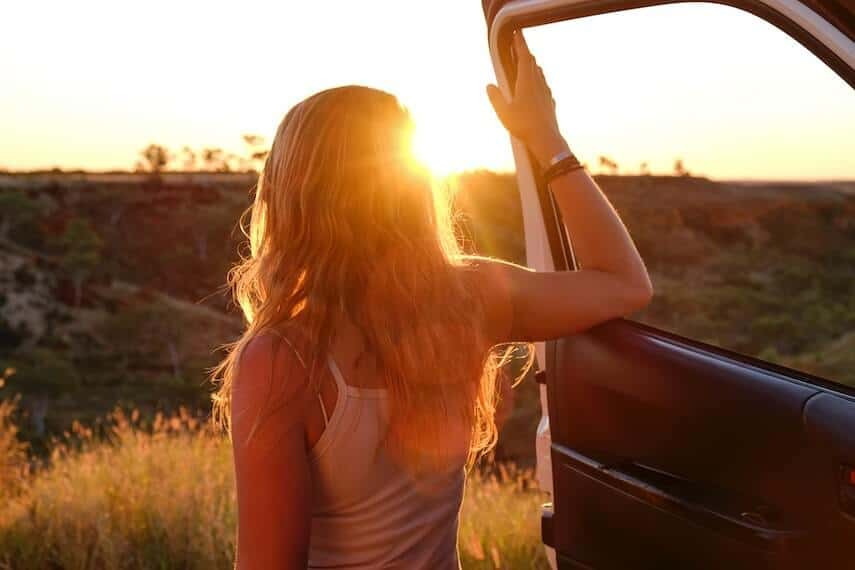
point(44, 371)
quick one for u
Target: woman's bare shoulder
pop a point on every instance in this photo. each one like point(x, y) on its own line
point(271, 378)
point(492, 280)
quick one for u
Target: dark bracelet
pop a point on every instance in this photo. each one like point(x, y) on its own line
point(566, 164)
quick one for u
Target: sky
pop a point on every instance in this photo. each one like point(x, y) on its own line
point(87, 84)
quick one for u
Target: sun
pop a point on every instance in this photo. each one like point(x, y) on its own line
point(432, 146)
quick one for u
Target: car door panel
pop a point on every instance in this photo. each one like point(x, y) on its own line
point(665, 439)
point(627, 522)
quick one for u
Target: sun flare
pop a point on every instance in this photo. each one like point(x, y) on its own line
point(433, 148)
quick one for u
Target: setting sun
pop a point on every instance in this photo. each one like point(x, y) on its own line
point(441, 153)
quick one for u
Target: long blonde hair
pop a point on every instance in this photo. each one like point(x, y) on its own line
point(346, 223)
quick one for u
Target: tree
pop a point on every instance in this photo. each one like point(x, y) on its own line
point(680, 169)
point(232, 162)
point(43, 374)
point(258, 150)
point(149, 331)
point(156, 158)
point(81, 254)
point(204, 224)
point(645, 169)
point(188, 158)
point(606, 162)
point(214, 159)
point(16, 210)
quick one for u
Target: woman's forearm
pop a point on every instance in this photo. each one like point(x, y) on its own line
point(600, 240)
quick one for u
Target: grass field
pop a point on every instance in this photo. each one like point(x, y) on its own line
point(161, 495)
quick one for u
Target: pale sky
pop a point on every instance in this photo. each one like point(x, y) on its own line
point(87, 84)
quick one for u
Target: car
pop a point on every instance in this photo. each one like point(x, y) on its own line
point(667, 451)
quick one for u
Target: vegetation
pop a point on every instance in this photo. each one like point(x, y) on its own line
point(16, 210)
point(156, 158)
point(111, 295)
point(160, 494)
point(13, 452)
point(124, 298)
point(81, 254)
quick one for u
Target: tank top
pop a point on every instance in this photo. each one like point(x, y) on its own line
point(367, 511)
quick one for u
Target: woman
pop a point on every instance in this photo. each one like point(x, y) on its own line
point(366, 379)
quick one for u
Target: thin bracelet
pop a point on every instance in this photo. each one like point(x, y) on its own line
point(561, 164)
point(559, 157)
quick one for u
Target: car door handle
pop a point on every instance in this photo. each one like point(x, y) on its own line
point(743, 518)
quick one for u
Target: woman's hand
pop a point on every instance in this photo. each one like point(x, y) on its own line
point(530, 114)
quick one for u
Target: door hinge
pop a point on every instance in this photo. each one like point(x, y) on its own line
point(546, 533)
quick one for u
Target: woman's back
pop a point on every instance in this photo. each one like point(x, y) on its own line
point(369, 511)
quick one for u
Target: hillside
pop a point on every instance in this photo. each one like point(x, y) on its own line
point(111, 289)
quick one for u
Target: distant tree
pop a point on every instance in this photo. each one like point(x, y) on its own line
point(117, 210)
point(16, 210)
point(257, 149)
point(43, 374)
point(645, 169)
point(609, 164)
point(188, 158)
point(206, 224)
point(252, 140)
point(156, 158)
point(232, 162)
point(150, 330)
point(680, 169)
point(81, 254)
point(214, 159)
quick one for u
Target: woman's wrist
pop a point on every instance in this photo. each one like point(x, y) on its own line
point(544, 151)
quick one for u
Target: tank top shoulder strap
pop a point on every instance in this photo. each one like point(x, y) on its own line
point(289, 343)
point(303, 364)
point(336, 372)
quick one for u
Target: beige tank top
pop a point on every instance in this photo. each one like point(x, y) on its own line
point(368, 512)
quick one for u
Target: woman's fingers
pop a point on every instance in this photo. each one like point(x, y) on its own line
point(500, 106)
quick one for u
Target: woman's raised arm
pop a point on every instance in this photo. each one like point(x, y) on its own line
point(612, 280)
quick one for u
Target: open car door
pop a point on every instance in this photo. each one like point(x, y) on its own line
point(668, 452)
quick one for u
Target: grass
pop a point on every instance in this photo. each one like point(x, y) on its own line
point(160, 495)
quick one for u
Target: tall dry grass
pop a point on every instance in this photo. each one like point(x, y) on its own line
point(14, 465)
point(160, 495)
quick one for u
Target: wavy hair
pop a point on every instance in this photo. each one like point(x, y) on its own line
point(345, 223)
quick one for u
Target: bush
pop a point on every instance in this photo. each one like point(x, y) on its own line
point(42, 370)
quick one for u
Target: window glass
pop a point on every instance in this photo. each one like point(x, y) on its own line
point(727, 148)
